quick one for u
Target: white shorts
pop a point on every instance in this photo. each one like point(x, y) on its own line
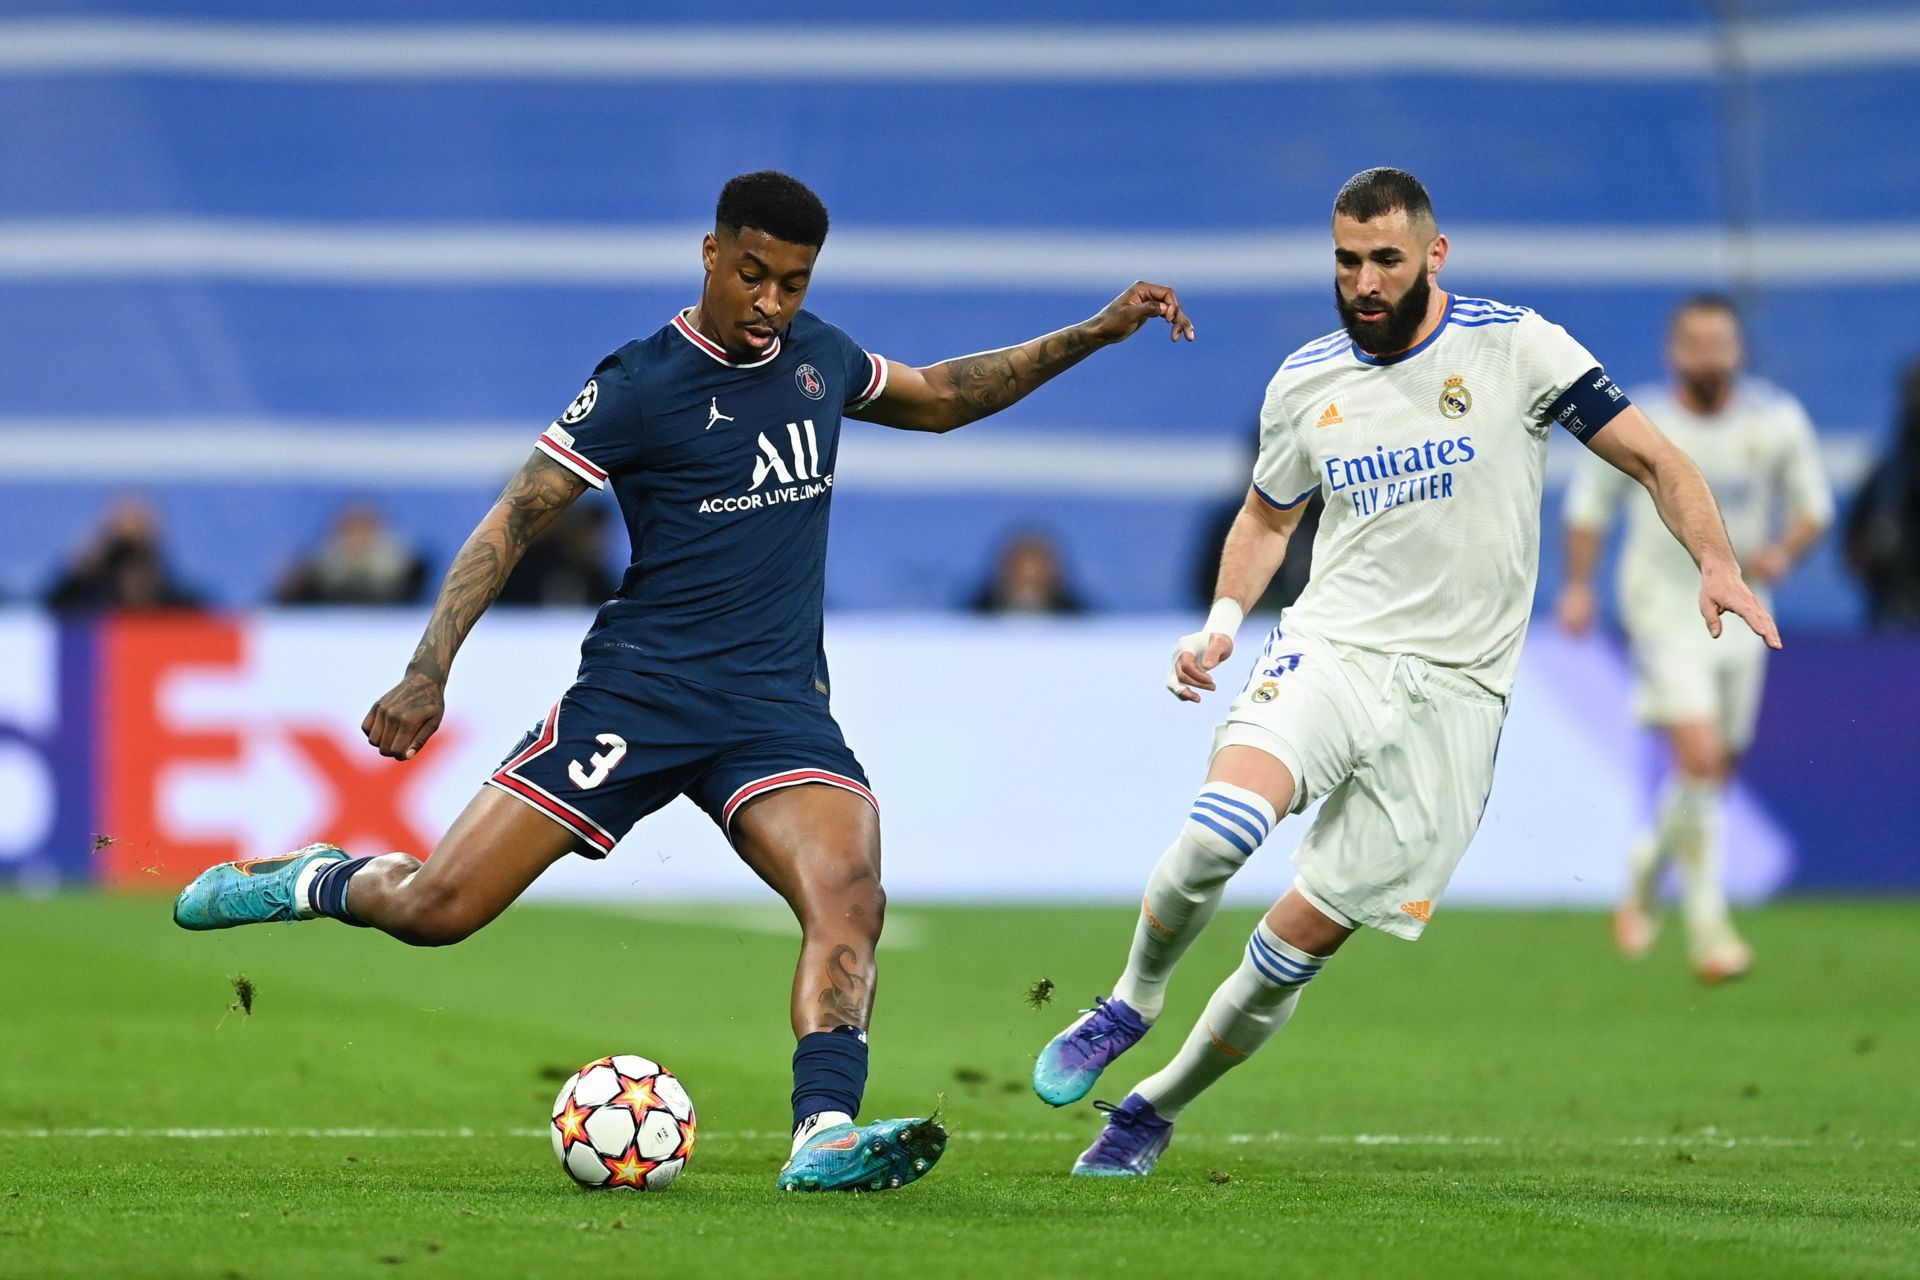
point(1403, 752)
point(1681, 674)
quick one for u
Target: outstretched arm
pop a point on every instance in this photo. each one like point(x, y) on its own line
point(1256, 544)
point(407, 714)
point(1632, 444)
point(967, 388)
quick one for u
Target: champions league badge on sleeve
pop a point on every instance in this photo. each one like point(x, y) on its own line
point(1455, 399)
point(583, 403)
point(811, 384)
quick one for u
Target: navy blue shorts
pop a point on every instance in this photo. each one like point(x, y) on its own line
point(622, 744)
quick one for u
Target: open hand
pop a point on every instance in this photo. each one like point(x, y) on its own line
point(1576, 609)
point(1722, 590)
point(1122, 318)
point(405, 716)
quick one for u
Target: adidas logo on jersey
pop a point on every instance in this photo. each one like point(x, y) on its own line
point(1421, 910)
point(1331, 418)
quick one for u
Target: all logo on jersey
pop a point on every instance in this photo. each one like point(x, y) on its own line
point(811, 384)
point(1455, 399)
point(784, 471)
point(771, 463)
point(583, 403)
point(1331, 418)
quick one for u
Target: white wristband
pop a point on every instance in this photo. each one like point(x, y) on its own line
point(1224, 618)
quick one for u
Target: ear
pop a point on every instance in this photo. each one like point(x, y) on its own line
point(709, 250)
point(1436, 254)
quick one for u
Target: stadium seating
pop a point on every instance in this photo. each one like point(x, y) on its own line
point(292, 338)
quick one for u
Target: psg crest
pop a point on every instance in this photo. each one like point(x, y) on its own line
point(582, 404)
point(812, 385)
point(1455, 399)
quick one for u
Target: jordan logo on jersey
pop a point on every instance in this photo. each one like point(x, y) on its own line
point(1331, 418)
point(714, 415)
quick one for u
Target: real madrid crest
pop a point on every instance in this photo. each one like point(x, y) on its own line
point(1455, 399)
point(1266, 691)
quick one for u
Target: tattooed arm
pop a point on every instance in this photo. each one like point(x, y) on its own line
point(967, 388)
point(407, 714)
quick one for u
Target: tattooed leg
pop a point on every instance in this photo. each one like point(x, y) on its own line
point(819, 847)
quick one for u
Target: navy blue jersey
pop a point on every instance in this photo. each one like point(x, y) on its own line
point(724, 473)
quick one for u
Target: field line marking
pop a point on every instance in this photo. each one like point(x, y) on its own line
point(1702, 1138)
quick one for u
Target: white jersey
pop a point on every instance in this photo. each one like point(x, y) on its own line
point(1759, 455)
point(1432, 464)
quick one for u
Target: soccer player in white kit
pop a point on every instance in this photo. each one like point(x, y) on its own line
point(1757, 449)
point(1423, 422)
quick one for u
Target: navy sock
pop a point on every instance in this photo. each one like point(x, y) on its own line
point(829, 1072)
point(328, 894)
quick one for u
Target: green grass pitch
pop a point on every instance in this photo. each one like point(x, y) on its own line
point(1504, 1098)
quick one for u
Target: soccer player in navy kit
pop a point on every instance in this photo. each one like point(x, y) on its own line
point(705, 675)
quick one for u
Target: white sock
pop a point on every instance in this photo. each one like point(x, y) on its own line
point(1645, 861)
point(815, 1123)
point(1693, 820)
point(1224, 827)
point(303, 908)
point(1244, 1013)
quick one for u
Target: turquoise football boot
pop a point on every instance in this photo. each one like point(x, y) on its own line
point(1067, 1068)
point(253, 892)
point(875, 1157)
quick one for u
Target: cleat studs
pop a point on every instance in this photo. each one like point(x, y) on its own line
point(919, 1166)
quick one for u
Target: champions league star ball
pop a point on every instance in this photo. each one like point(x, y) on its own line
point(625, 1122)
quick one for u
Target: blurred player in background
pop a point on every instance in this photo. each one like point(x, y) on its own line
point(705, 676)
point(1755, 446)
point(1423, 422)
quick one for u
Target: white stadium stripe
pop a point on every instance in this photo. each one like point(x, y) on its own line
point(949, 260)
point(1709, 1137)
point(1130, 54)
point(462, 457)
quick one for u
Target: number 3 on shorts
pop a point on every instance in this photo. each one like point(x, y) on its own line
point(602, 762)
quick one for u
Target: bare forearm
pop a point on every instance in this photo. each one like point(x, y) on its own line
point(1686, 505)
point(1800, 535)
point(532, 500)
point(984, 384)
point(1583, 554)
point(1250, 558)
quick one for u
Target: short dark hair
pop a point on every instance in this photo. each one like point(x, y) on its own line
point(775, 203)
point(1708, 301)
point(1373, 192)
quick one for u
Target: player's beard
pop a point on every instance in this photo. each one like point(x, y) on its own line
point(1708, 391)
point(1395, 333)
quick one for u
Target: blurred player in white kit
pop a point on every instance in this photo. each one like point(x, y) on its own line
point(1423, 422)
point(1757, 449)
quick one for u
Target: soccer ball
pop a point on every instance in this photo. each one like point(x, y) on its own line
point(623, 1121)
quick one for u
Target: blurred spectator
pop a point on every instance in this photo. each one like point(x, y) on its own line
point(1883, 530)
point(123, 567)
point(566, 565)
point(360, 562)
point(1028, 577)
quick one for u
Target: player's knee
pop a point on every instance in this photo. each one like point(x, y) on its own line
point(849, 896)
point(1228, 822)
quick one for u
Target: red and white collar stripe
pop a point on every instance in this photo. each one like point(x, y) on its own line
point(714, 349)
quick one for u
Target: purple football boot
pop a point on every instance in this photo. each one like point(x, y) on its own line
point(1130, 1145)
point(1074, 1059)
